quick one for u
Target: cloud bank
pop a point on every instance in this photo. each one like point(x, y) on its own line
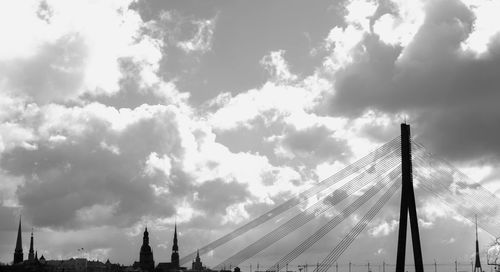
point(118, 114)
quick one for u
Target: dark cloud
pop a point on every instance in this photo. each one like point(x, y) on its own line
point(315, 143)
point(309, 146)
point(215, 196)
point(9, 217)
point(245, 33)
point(449, 92)
point(63, 179)
point(86, 179)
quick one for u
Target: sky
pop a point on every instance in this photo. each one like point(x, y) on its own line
point(116, 115)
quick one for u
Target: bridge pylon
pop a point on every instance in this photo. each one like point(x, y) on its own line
point(408, 207)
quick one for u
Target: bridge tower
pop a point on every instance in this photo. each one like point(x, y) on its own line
point(408, 207)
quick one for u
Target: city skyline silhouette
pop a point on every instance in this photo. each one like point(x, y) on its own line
point(221, 117)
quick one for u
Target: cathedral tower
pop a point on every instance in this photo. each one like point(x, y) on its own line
point(18, 252)
point(146, 255)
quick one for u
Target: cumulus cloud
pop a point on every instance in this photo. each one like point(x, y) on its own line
point(446, 89)
point(69, 55)
point(202, 40)
point(103, 131)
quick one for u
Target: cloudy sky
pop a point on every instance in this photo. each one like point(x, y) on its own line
point(119, 114)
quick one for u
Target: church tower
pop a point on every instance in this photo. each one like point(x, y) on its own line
point(18, 252)
point(146, 255)
point(477, 265)
point(197, 265)
point(31, 253)
point(175, 250)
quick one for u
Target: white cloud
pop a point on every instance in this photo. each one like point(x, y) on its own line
point(155, 163)
point(384, 229)
point(202, 40)
point(341, 42)
point(165, 150)
point(239, 110)
point(276, 65)
point(400, 26)
point(485, 26)
point(359, 13)
point(12, 135)
point(91, 64)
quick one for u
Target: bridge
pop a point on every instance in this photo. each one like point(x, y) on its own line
point(399, 165)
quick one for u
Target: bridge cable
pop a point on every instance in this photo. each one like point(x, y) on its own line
point(351, 236)
point(365, 161)
point(335, 221)
point(429, 188)
point(486, 199)
point(312, 211)
point(357, 229)
point(479, 191)
point(423, 173)
point(434, 186)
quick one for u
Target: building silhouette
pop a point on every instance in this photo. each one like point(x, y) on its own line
point(18, 251)
point(175, 250)
point(31, 253)
point(173, 265)
point(197, 265)
point(146, 261)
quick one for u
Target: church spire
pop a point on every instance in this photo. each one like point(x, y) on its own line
point(197, 264)
point(175, 250)
point(145, 238)
point(31, 254)
point(175, 247)
point(477, 266)
point(18, 252)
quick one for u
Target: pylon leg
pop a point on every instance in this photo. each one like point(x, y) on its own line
point(407, 207)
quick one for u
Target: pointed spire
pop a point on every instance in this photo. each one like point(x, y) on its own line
point(175, 247)
point(31, 255)
point(198, 255)
point(145, 237)
point(19, 242)
point(36, 255)
point(175, 250)
point(477, 266)
point(18, 252)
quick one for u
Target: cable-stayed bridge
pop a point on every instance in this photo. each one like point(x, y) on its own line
point(399, 165)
